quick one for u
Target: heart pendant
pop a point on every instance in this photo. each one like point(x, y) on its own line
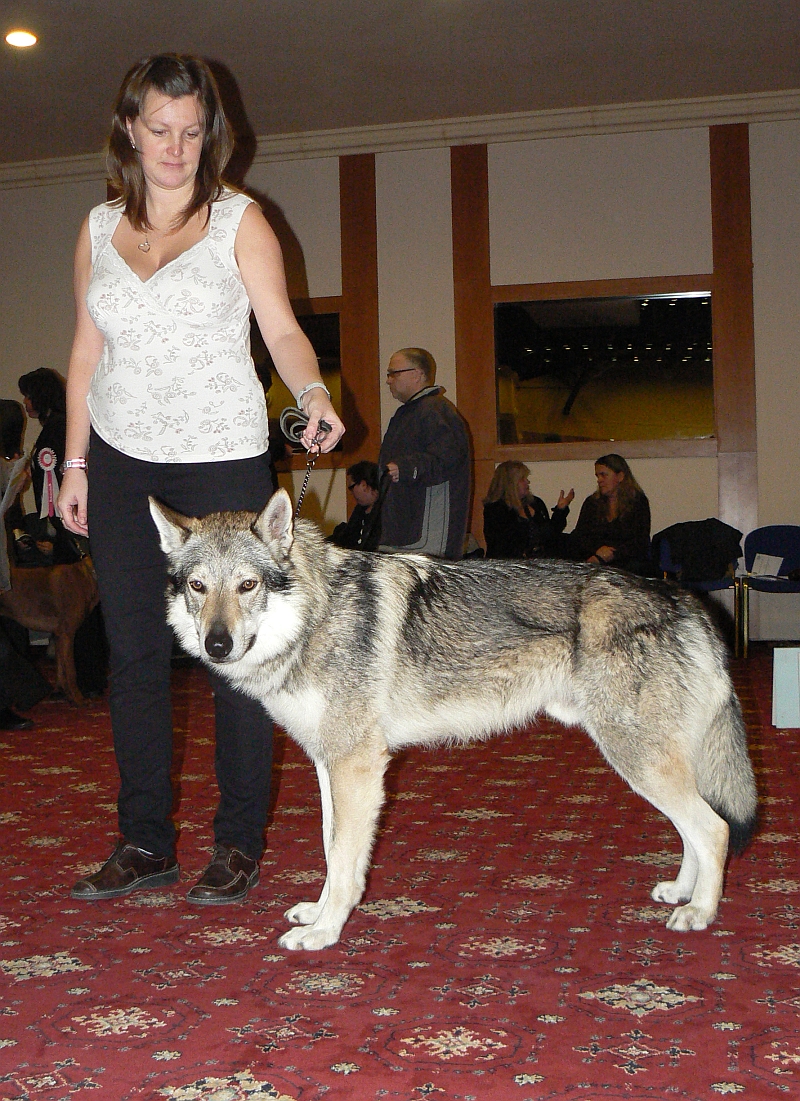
point(144, 247)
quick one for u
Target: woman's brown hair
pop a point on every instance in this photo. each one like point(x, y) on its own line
point(172, 75)
point(628, 488)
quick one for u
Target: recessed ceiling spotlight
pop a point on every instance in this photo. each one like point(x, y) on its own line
point(21, 39)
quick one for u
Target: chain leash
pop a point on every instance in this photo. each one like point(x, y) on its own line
point(293, 423)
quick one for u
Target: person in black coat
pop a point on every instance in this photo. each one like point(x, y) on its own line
point(49, 543)
point(44, 393)
point(363, 530)
point(613, 527)
point(515, 523)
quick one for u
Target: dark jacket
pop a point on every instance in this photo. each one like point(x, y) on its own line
point(702, 550)
point(362, 531)
point(509, 535)
point(628, 534)
point(427, 509)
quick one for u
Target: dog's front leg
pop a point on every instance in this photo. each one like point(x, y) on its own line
point(306, 913)
point(356, 798)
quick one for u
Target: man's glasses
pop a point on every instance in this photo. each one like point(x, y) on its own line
point(402, 371)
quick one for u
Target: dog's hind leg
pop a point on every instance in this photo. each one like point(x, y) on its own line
point(699, 881)
point(306, 913)
point(705, 845)
point(356, 788)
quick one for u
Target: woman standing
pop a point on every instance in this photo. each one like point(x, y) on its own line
point(614, 523)
point(163, 396)
point(516, 524)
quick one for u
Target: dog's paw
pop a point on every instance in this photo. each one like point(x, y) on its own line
point(307, 938)
point(669, 891)
point(686, 918)
point(304, 913)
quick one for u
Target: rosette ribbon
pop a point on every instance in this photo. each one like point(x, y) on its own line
point(47, 461)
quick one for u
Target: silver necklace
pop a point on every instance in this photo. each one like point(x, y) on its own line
point(145, 245)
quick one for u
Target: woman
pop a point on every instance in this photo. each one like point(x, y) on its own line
point(163, 396)
point(45, 400)
point(363, 530)
point(515, 523)
point(614, 523)
point(21, 683)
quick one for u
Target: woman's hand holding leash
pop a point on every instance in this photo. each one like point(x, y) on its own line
point(318, 410)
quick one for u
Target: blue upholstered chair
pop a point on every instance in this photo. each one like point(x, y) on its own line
point(779, 541)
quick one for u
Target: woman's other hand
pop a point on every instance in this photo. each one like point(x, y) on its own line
point(565, 499)
point(72, 501)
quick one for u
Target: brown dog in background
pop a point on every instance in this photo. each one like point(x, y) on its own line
point(55, 599)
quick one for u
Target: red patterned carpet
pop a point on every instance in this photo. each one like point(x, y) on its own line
point(506, 947)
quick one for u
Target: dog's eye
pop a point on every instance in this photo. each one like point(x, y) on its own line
point(248, 585)
point(196, 585)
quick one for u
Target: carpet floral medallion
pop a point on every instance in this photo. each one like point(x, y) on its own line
point(506, 947)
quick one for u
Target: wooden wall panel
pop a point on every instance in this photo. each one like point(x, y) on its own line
point(733, 336)
point(474, 335)
point(358, 321)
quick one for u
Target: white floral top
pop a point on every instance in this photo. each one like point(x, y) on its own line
point(176, 382)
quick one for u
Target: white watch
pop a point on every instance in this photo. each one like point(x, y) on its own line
point(306, 389)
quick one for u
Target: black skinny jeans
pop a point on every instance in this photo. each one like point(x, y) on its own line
point(132, 578)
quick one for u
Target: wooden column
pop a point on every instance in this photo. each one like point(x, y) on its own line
point(733, 328)
point(358, 320)
point(474, 319)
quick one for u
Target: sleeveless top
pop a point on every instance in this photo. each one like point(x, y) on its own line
point(176, 382)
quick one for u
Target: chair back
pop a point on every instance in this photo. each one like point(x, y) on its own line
point(778, 540)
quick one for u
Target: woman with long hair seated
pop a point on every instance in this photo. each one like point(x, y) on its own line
point(515, 523)
point(614, 523)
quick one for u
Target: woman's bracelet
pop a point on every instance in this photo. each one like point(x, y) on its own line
point(305, 390)
point(73, 464)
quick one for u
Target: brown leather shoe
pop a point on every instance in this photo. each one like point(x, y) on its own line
point(228, 878)
point(127, 869)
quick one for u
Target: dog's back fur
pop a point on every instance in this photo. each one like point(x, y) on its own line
point(357, 655)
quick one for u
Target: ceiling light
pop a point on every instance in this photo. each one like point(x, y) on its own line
point(21, 39)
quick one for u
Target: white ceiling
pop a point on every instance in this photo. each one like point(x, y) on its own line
point(301, 65)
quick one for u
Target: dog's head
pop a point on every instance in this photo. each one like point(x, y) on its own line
point(231, 592)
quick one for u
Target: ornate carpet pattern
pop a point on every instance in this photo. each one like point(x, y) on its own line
point(506, 947)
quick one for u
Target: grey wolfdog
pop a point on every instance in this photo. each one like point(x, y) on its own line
point(358, 655)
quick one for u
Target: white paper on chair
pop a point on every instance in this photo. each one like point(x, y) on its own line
point(766, 565)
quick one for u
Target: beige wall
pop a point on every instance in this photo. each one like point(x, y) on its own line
point(606, 207)
point(415, 261)
point(775, 191)
point(303, 207)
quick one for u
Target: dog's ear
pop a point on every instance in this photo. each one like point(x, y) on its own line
point(173, 529)
point(274, 524)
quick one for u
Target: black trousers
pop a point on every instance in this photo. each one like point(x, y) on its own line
point(132, 578)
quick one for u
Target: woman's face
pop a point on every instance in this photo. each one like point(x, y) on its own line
point(168, 135)
point(30, 409)
point(608, 481)
point(524, 486)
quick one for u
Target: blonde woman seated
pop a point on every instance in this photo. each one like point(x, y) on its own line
point(515, 523)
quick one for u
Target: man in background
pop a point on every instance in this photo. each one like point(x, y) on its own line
point(426, 455)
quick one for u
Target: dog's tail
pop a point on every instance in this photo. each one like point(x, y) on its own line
point(725, 773)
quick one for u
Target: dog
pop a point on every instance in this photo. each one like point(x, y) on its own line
point(358, 655)
point(56, 599)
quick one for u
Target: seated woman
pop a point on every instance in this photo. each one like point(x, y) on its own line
point(515, 523)
point(363, 530)
point(614, 523)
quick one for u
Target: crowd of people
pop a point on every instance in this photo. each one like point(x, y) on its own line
point(185, 257)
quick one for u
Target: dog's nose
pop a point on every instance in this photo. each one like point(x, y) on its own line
point(218, 643)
